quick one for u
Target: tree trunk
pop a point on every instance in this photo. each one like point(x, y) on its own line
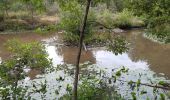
point(79, 52)
point(6, 9)
point(32, 17)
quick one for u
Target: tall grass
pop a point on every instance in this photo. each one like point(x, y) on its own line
point(126, 19)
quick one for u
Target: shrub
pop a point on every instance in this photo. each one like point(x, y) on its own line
point(162, 32)
point(105, 17)
point(123, 19)
point(159, 27)
point(32, 54)
point(24, 55)
point(71, 20)
point(93, 89)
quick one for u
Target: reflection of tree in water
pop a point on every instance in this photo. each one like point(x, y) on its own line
point(156, 55)
point(70, 53)
point(33, 73)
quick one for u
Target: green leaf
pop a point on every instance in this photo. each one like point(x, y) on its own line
point(143, 92)
point(133, 95)
point(118, 73)
point(162, 96)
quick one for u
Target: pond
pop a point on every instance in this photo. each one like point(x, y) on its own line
point(150, 59)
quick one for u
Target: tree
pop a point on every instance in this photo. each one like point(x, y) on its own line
point(24, 55)
point(79, 52)
point(34, 6)
point(4, 7)
point(156, 14)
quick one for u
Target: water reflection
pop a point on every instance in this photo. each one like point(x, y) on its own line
point(144, 57)
point(143, 53)
point(68, 55)
point(55, 55)
point(109, 60)
point(155, 54)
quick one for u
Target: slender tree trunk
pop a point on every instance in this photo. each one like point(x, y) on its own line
point(79, 52)
point(31, 8)
point(32, 17)
point(6, 9)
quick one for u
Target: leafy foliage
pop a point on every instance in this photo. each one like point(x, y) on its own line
point(92, 89)
point(157, 14)
point(32, 54)
point(36, 5)
point(126, 19)
point(24, 55)
point(71, 18)
point(118, 45)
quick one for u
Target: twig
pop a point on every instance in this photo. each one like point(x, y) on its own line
point(149, 85)
point(84, 46)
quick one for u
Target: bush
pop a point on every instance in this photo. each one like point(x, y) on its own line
point(24, 55)
point(71, 20)
point(105, 17)
point(126, 19)
point(45, 29)
point(159, 28)
point(33, 54)
point(93, 89)
point(162, 32)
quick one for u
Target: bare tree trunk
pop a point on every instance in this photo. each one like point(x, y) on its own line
point(32, 17)
point(79, 52)
point(6, 8)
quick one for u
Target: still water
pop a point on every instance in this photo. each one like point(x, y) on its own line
point(146, 57)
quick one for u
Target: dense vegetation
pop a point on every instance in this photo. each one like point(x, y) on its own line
point(110, 13)
point(24, 55)
point(156, 14)
point(81, 22)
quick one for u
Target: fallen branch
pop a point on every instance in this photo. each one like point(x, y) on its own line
point(149, 85)
point(84, 46)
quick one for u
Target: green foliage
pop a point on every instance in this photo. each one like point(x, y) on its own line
point(133, 96)
point(4, 6)
point(126, 19)
point(32, 54)
point(118, 45)
point(105, 17)
point(34, 5)
point(24, 55)
point(46, 29)
point(162, 96)
point(162, 32)
point(138, 82)
point(123, 19)
point(165, 84)
point(71, 18)
point(92, 89)
point(156, 13)
point(143, 92)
